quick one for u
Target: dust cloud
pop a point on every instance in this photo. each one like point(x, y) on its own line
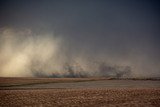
point(24, 53)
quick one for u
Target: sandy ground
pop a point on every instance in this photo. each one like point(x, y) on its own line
point(80, 98)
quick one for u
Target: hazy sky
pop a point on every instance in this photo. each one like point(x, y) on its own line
point(123, 30)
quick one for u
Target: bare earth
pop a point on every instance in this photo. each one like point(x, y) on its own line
point(18, 81)
point(80, 97)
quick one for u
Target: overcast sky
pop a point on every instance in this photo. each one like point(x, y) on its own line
point(116, 28)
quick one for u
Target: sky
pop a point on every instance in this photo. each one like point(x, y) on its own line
point(116, 32)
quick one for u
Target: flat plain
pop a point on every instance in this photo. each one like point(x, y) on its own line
point(78, 92)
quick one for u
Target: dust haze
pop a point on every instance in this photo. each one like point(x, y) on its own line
point(24, 53)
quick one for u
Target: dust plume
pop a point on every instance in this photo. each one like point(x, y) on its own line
point(22, 53)
point(29, 54)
